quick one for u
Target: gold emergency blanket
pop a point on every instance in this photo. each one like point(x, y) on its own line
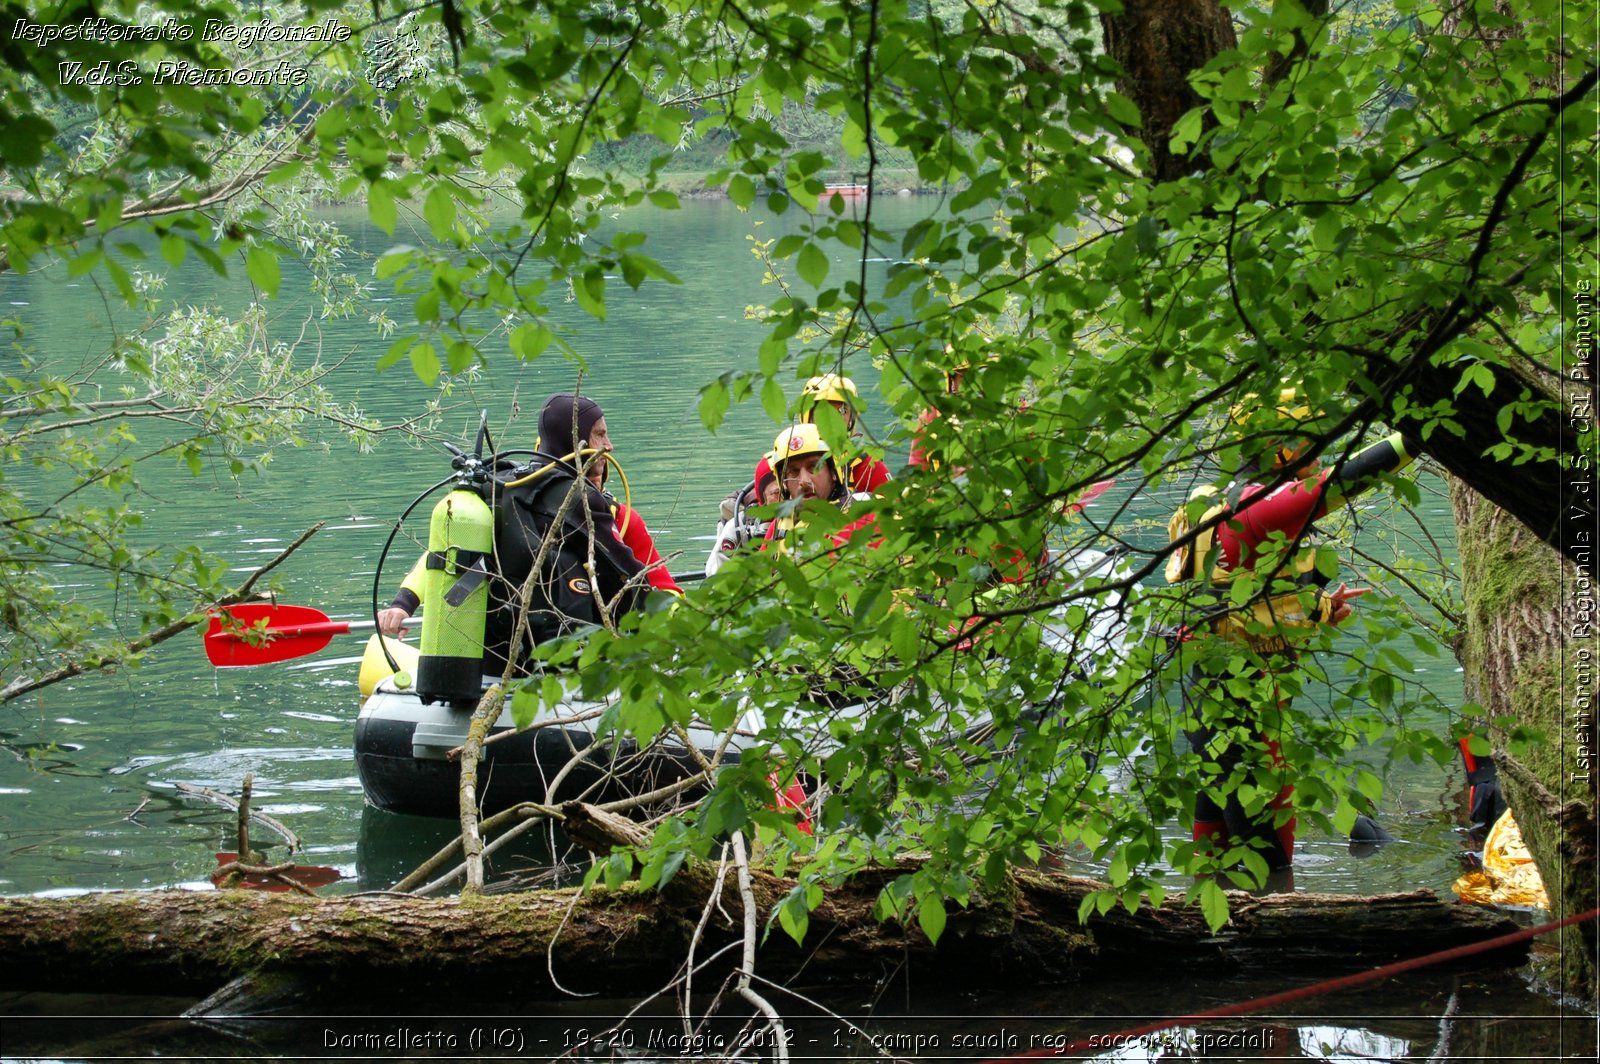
point(1509, 876)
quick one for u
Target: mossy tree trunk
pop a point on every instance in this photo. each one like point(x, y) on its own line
point(1529, 651)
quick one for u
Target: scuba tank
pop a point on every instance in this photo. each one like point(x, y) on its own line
point(456, 588)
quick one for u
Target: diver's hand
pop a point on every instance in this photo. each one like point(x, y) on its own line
point(392, 621)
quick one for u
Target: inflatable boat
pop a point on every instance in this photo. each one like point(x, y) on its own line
point(406, 751)
point(407, 756)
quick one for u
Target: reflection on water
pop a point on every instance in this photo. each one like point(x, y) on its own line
point(393, 845)
point(1421, 1017)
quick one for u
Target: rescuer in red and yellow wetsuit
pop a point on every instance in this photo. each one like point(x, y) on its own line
point(1262, 530)
point(806, 470)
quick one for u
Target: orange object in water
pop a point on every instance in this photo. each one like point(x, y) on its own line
point(305, 875)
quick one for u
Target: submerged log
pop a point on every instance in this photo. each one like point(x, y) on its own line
point(631, 940)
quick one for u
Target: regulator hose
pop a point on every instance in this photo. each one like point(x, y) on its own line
point(383, 556)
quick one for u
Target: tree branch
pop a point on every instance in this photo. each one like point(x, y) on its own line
point(24, 685)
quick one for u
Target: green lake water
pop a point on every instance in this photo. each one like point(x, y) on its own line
point(99, 809)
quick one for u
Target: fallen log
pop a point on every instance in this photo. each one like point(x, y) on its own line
point(631, 940)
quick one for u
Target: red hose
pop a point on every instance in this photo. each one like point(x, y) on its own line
point(1110, 1041)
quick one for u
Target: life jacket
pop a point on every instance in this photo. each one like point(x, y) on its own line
point(1276, 616)
point(526, 501)
point(867, 474)
point(777, 535)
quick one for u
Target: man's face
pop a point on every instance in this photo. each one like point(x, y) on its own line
point(599, 436)
point(600, 440)
point(847, 412)
point(809, 476)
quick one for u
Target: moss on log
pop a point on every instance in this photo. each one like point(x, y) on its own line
point(631, 940)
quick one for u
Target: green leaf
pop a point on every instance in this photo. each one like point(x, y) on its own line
point(812, 265)
point(742, 191)
point(618, 868)
point(714, 402)
point(794, 917)
point(1117, 873)
point(1146, 234)
point(381, 208)
point(395, 353)
point(120, 278)
point(529, 340)
point(262, 265)
point(439, 210)
point(590, 292)
point(773, 400)
point(1186, 131)
point(525, 704)
point(1122, 109)
point(85, 263)
point(1213, 904)
point(1344, 817)
point(853, 139)
point(425, 362)
point(670, 866)
point(931, 916)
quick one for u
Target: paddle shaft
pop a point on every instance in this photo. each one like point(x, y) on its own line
point(262, 633)
point(292, 631)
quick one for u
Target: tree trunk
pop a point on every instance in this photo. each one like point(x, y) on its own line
point(1158, 43)
point(631, 941)
point(1529, 651)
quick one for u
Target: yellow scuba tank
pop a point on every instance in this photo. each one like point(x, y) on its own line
point(456, 590)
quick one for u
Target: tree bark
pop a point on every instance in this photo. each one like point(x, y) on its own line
point(1158, 43)
point(1529, 648)
point(631, 940)
point(1529, 661)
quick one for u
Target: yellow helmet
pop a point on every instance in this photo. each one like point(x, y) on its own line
point(830, 388)
point(796, 440)
point(1248, 408)
point(985, 352)
point(799, 440)
point(1270, 428)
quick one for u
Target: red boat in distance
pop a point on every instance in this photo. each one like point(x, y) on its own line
point(847, 189)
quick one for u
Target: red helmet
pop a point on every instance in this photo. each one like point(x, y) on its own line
point(764, 473)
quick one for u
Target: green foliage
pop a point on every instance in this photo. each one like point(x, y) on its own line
point(1385, 227)
point(210, 392)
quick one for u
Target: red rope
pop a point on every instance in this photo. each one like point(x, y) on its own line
point(1102, 1042)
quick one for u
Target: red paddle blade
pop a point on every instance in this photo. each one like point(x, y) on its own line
point(259, 633)
point(1092, 492)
